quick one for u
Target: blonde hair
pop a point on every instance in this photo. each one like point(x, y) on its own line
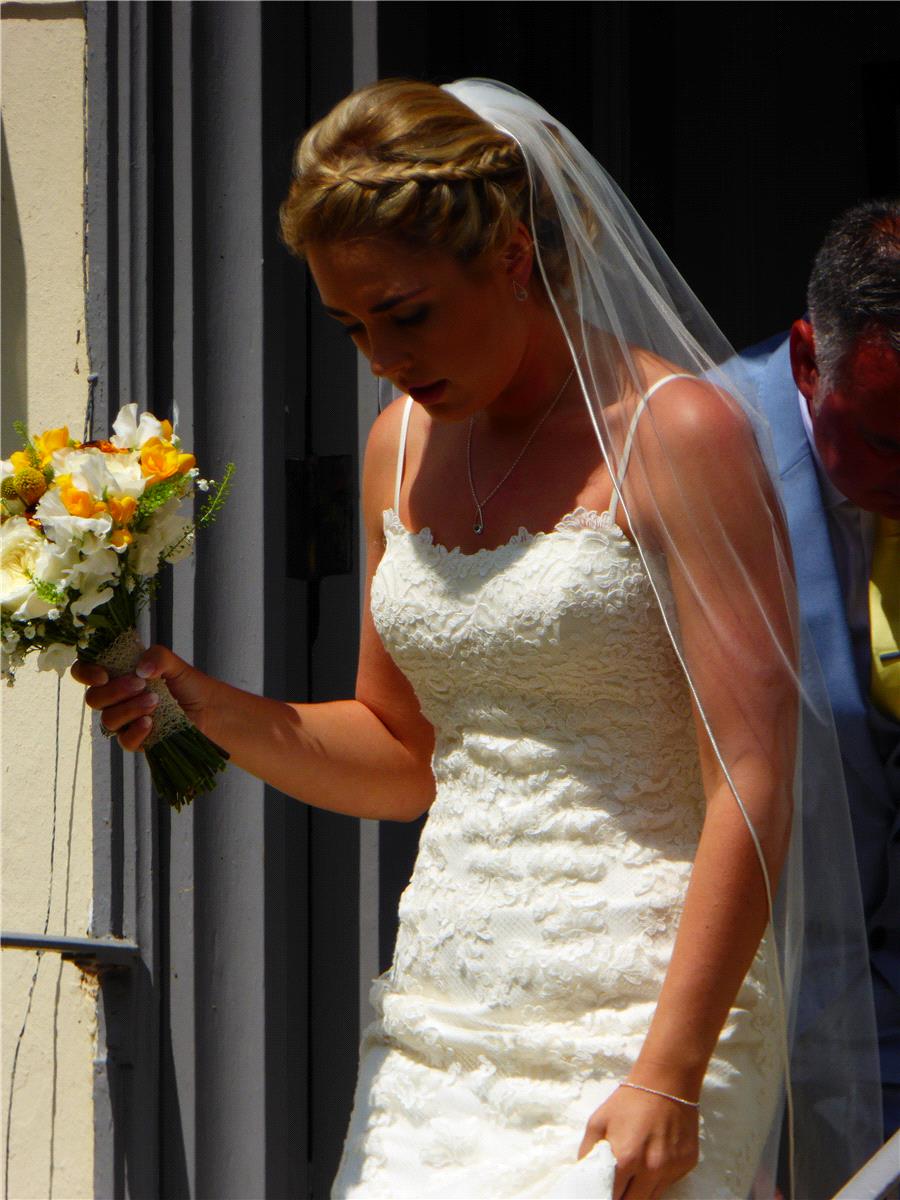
point(405, 159)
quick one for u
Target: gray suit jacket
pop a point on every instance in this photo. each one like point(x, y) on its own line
point(869, 742)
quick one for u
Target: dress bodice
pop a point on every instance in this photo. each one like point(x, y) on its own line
point(549, 647)
point(564, 759)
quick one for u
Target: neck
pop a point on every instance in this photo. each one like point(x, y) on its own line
point(546, 363)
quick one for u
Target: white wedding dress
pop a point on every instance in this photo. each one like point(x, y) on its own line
point(541, 914)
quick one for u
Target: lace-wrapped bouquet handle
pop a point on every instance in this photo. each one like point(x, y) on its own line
point(86, 527)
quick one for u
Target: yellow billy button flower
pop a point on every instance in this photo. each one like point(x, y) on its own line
point(78, 503)
point(53, 439)
point(121, 509)
point(30, 485)
point(161, 460)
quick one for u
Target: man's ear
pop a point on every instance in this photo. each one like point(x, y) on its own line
point(803, 360)
point(517, 255)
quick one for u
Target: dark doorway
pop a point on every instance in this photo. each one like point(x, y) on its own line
point(737, 130)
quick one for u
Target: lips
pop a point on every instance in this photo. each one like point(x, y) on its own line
point(430, 393)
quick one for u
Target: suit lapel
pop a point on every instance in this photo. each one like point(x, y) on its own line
point(818, 584)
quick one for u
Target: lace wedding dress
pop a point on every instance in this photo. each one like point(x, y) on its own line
point(541, 914)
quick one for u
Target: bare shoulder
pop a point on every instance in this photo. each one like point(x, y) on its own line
point(380, 463)
point(701, 461)
point(690, 417)
point(385, 433)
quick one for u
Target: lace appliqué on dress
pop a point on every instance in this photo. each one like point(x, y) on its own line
point(541, 915)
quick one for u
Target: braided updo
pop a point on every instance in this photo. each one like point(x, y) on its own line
point(405, 159)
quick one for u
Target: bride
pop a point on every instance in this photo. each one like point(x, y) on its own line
point(581, 653)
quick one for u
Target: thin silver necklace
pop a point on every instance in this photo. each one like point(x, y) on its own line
point(478, 526)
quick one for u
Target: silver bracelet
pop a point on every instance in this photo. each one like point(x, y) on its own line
point(638, 1087)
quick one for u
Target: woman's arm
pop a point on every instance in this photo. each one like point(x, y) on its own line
point(737, 636)
point(368, 757)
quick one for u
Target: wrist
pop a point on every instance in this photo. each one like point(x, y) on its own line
point(202, 702)
point(683, 1101)
point(679, 1078)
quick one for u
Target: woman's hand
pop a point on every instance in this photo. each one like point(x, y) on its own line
point(126, 705)
point(654, 1142)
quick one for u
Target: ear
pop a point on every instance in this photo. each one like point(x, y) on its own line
point(803, 361)
point(517, 256)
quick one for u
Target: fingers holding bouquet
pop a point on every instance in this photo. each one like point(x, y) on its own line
point(127, 702)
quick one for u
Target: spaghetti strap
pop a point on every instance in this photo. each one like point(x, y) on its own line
point(632, 428)
point(401, 453)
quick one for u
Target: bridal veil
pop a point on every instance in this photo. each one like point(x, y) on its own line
point(716, 539)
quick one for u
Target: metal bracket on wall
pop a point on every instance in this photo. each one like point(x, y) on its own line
point(92, 955)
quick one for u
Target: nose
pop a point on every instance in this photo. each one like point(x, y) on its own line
point(387, 357)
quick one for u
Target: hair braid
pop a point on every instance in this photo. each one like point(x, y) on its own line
point(405, 159)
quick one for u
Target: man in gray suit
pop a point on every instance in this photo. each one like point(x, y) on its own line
point(831, 392)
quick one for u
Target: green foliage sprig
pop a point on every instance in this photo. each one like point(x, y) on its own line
point(27, 444)
point(156, 496)
point(216, 500)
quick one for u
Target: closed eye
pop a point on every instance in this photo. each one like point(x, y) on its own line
point(882, 445)
point(414, 318)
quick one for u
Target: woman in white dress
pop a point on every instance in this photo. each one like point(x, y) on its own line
point(580, 653)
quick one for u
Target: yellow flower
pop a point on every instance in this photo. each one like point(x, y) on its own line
point(30, 485)
point(78, 503)
point(53, 439)
point(21, 459)
point(161, 460)
point(122, 537)
point(122, 508)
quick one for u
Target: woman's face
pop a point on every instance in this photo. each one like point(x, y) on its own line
point(449, 334)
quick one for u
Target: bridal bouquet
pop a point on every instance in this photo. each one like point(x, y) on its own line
point(86, 527)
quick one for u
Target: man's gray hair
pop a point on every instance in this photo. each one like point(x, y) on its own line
point(855, 283)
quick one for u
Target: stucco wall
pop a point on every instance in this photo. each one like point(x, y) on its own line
point(46, 816)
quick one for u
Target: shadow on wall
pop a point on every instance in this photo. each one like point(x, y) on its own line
point(14, 379)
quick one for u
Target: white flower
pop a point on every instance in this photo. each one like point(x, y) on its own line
point(11, 658)
point(131, 433)
point(64, 529)
point(98, 473)
point(54, 563)
point(92, 577)
point(165, 531)
point(58, 657)
point(20, 549)
point(92, 597)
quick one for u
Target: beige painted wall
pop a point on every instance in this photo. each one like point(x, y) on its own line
point(46, 799)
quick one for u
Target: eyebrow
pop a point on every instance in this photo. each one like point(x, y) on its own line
point(391, 302)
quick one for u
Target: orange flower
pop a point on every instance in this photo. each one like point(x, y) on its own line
point(104, 445)
point(53, 439)
point(122, 508)
point(161, 460)
point(122, 537)
point(78, 503)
